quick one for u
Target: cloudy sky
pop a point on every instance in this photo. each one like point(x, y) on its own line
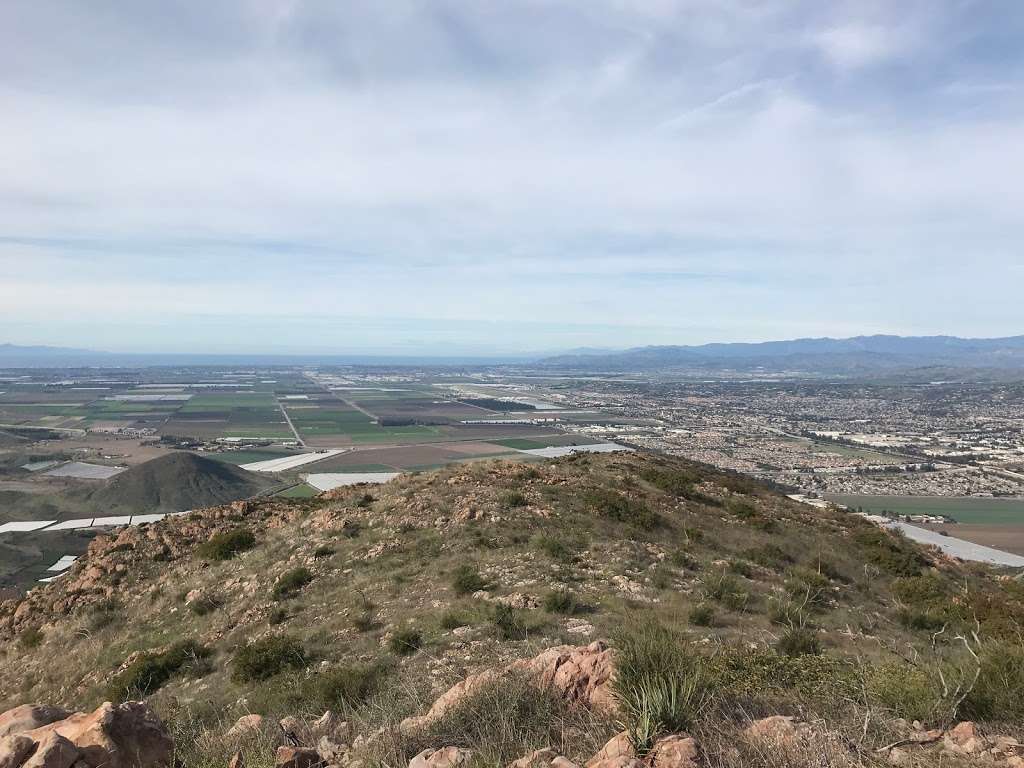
point(503, 175)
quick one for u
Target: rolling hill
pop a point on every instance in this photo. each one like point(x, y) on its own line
point(824, 355)
point(175, 483)
point(482, 607)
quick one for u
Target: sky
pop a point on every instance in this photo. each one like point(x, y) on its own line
point(498, 176)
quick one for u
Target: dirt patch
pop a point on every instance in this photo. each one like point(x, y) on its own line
point(1009, 538)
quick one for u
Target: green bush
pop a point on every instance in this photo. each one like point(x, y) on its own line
point(150, 671)
point(103, 614)
point(405, 641)
point(453, 620)
point(702, 615)
point(997, 694)
point(323, 551)
point(799, 641)
point(561, 601)
point(615, 506)
point(770, 556)
point(267, 657)
point(466, 580)
point(224, 546)
point(31, 638)
point(291, 582)
point(890, 552)
point(507, 623)
point(338, 688)
point(206, 604)
point(726, 589)
point(660, 683)
point(513, 499)
point(551, 546)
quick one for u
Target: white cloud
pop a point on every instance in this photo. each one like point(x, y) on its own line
point(566, 163)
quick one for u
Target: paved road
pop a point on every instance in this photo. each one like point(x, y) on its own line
point(284, 412)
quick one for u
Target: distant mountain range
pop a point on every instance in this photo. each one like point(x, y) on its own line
point(824, 355)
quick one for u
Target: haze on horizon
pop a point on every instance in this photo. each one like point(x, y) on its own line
point(468, 177)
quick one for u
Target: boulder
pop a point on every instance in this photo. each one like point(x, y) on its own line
point(617, 749)
point(446, 757)
point(328, 724)
point(53, 751)
point(543, 758)
point(243, 725)
point(298, 757)
point(332, 751)
point(28, 717)
point(14, 749)
point(129, 735)
point(579, 674)
point(676, 751)
point(782, 730)
point(964, 739)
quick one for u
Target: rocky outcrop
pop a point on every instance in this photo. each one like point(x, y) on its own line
point(129, 735)
point(29, 716)
point(298, 757)
point(579, 674)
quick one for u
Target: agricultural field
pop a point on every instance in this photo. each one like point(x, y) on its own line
point(968, 509)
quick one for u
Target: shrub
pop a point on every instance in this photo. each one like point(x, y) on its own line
point(741, 567)
point(799, 641)
point(150, 671)
point(467, 580)
point(206, 604)
point(513, 499)
point(277, 616)
point(678, 482)
point(505, 720)
point(997, 693)
point(507, 622)
point(660, 683)
point(724, 588)
point(103, 614)
point(453, 620)
point(365, 620)
point(623, 509)
point(808, 587)
point(770, 556)
point(31, 638)
point(291, 582)
point(702, 615)
point(890, 552)
point(224, 546)
point(680, 558)
point(338, 688)
point(323, 551)
point(267, 657)
point(405, 641)
point(366, 500)
point(561, 601)
point(551, 546)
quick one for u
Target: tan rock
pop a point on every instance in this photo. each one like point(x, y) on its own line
point(899, 756)
point(579, 674)
point(964, 739)
point(778, 729)
point(14, 749)
point(54, 751)
point(542, 758)
point(129, 735)
point(245, 724)
point(330, 750)
point(617, 747)
point(328, 723)
point(28, 717)
point(446, 757)
point(676, 751)
point(297, 757)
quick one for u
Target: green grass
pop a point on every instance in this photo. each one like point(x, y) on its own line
point(300, 491)
point(979, 511)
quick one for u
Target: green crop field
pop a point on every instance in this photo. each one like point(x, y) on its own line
point(966, 509)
